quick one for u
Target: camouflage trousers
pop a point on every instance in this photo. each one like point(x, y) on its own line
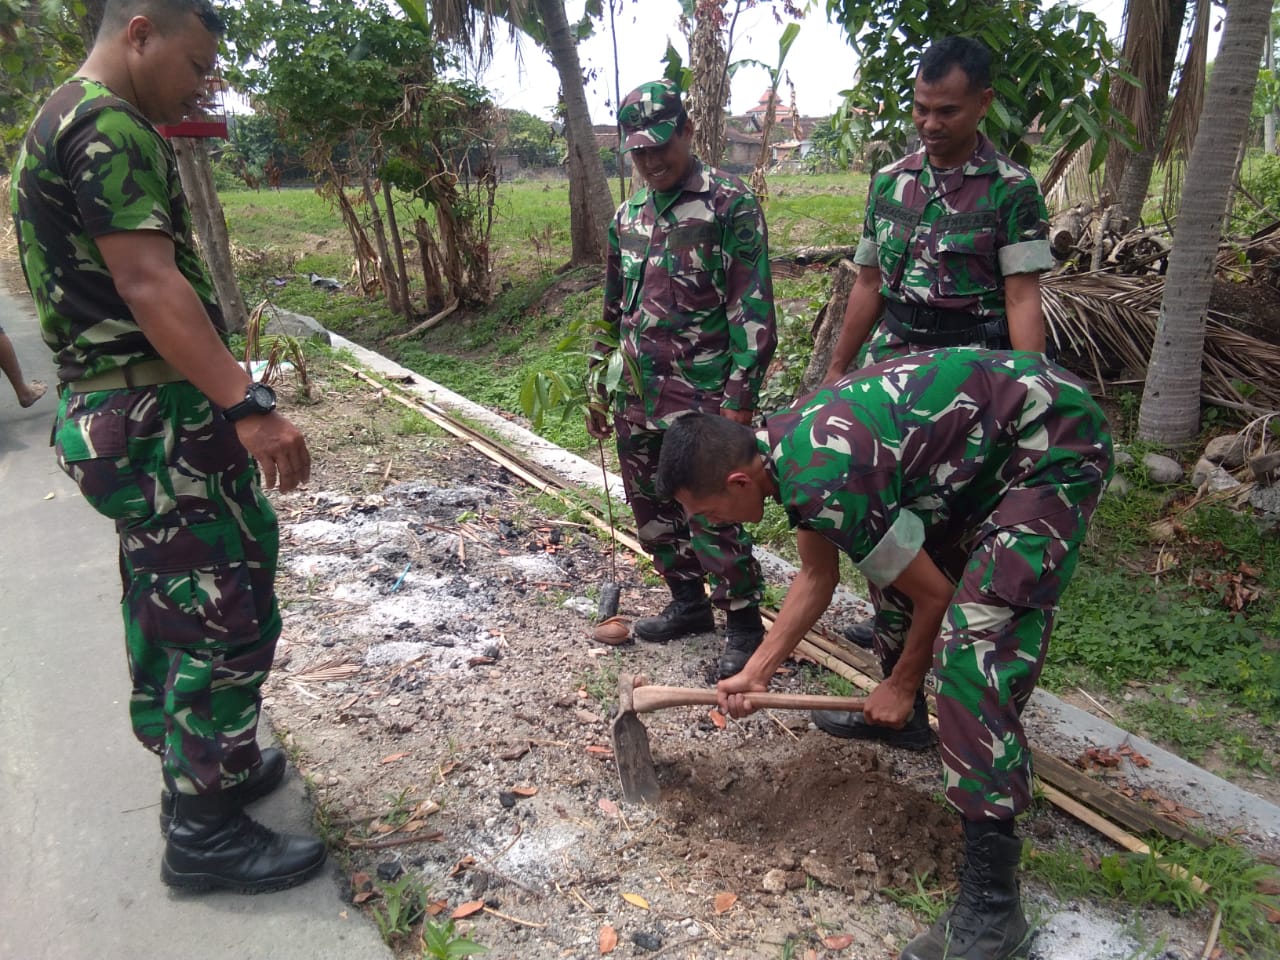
point(988, 655)
point(198, 548)
point(684, 549)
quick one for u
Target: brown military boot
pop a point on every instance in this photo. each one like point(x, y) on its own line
point(986, 921)
point(688, 613)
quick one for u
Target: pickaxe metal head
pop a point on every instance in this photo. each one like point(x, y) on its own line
point(631, 747)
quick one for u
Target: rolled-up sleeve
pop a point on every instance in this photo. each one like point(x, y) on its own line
point(895, 551)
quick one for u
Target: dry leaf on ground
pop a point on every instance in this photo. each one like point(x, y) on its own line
point(466, 909)
point(608, 939)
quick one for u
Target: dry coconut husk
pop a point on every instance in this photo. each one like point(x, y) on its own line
point(615, 631)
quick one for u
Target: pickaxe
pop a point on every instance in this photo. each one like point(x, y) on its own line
point(631, 740)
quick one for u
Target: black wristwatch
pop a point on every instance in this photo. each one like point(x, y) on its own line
point(258, 398)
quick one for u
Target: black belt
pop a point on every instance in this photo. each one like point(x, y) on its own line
point(938, 327)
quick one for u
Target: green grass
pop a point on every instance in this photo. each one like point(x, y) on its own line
point(1232, 876)
point(816, 210)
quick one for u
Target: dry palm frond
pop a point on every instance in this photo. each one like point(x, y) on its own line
point(1108, 321)
point(1188, 101)
point(1068, 181)
point(1145, 24)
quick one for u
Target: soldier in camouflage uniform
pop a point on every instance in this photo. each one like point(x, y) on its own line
point(955, 236)
point(954, 239)
point(689, 291)
point(160, 427)
point(960, 482)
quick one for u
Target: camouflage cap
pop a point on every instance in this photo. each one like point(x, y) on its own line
point(648, 114)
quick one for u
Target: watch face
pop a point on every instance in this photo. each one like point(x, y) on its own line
point(262, 396)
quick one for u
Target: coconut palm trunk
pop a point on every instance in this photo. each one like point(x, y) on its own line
point(1170, 411)
point(590, 203)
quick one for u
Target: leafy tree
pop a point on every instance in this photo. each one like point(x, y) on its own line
point(835, 140)
point(530, 138)
point(41, 44)
point(1052, 63)
point(363, 94)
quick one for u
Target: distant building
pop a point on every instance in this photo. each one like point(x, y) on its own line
point(788, 137)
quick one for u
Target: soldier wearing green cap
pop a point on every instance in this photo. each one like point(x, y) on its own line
point(689, 292)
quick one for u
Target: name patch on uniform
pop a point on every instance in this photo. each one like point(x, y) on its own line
point(885, 208)
point(966, 222)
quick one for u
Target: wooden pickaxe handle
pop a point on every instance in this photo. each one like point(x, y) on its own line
point(646, 698)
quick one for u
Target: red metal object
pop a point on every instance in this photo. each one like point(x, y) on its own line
point(209, 123)
point(208, 127)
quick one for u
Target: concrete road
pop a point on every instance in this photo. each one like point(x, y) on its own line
point(79, 841)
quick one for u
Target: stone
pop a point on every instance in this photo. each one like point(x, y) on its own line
point(583, 605)
point(1227, 450)
point(644, 940)
point(1118, 487)
point(1266, 499)
point(775, 881)
point(1217, 478)
point(389, 871)
point(1123, 458)
point(1162, 469)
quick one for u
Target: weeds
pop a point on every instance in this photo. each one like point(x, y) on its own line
point(1235, 884)
point(402, 903)
point(441, 941)
point(601, 683)
point(924, 901)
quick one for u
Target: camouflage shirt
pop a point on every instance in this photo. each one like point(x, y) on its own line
point(689, 290)
point(945, 239)
point(938, 446)
point(90, 165)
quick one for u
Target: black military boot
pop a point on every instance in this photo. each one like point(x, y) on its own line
point(688, 613)
point(743, 634)
point(861, 633)
point(262, 780)
point(914, 735)
point(213, 845)
point(986, 921)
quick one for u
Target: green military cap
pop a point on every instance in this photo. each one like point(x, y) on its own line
point(648, 114)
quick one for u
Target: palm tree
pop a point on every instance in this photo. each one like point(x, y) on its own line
point(471, 23)
point(1170, 411)
point(1152, 28)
